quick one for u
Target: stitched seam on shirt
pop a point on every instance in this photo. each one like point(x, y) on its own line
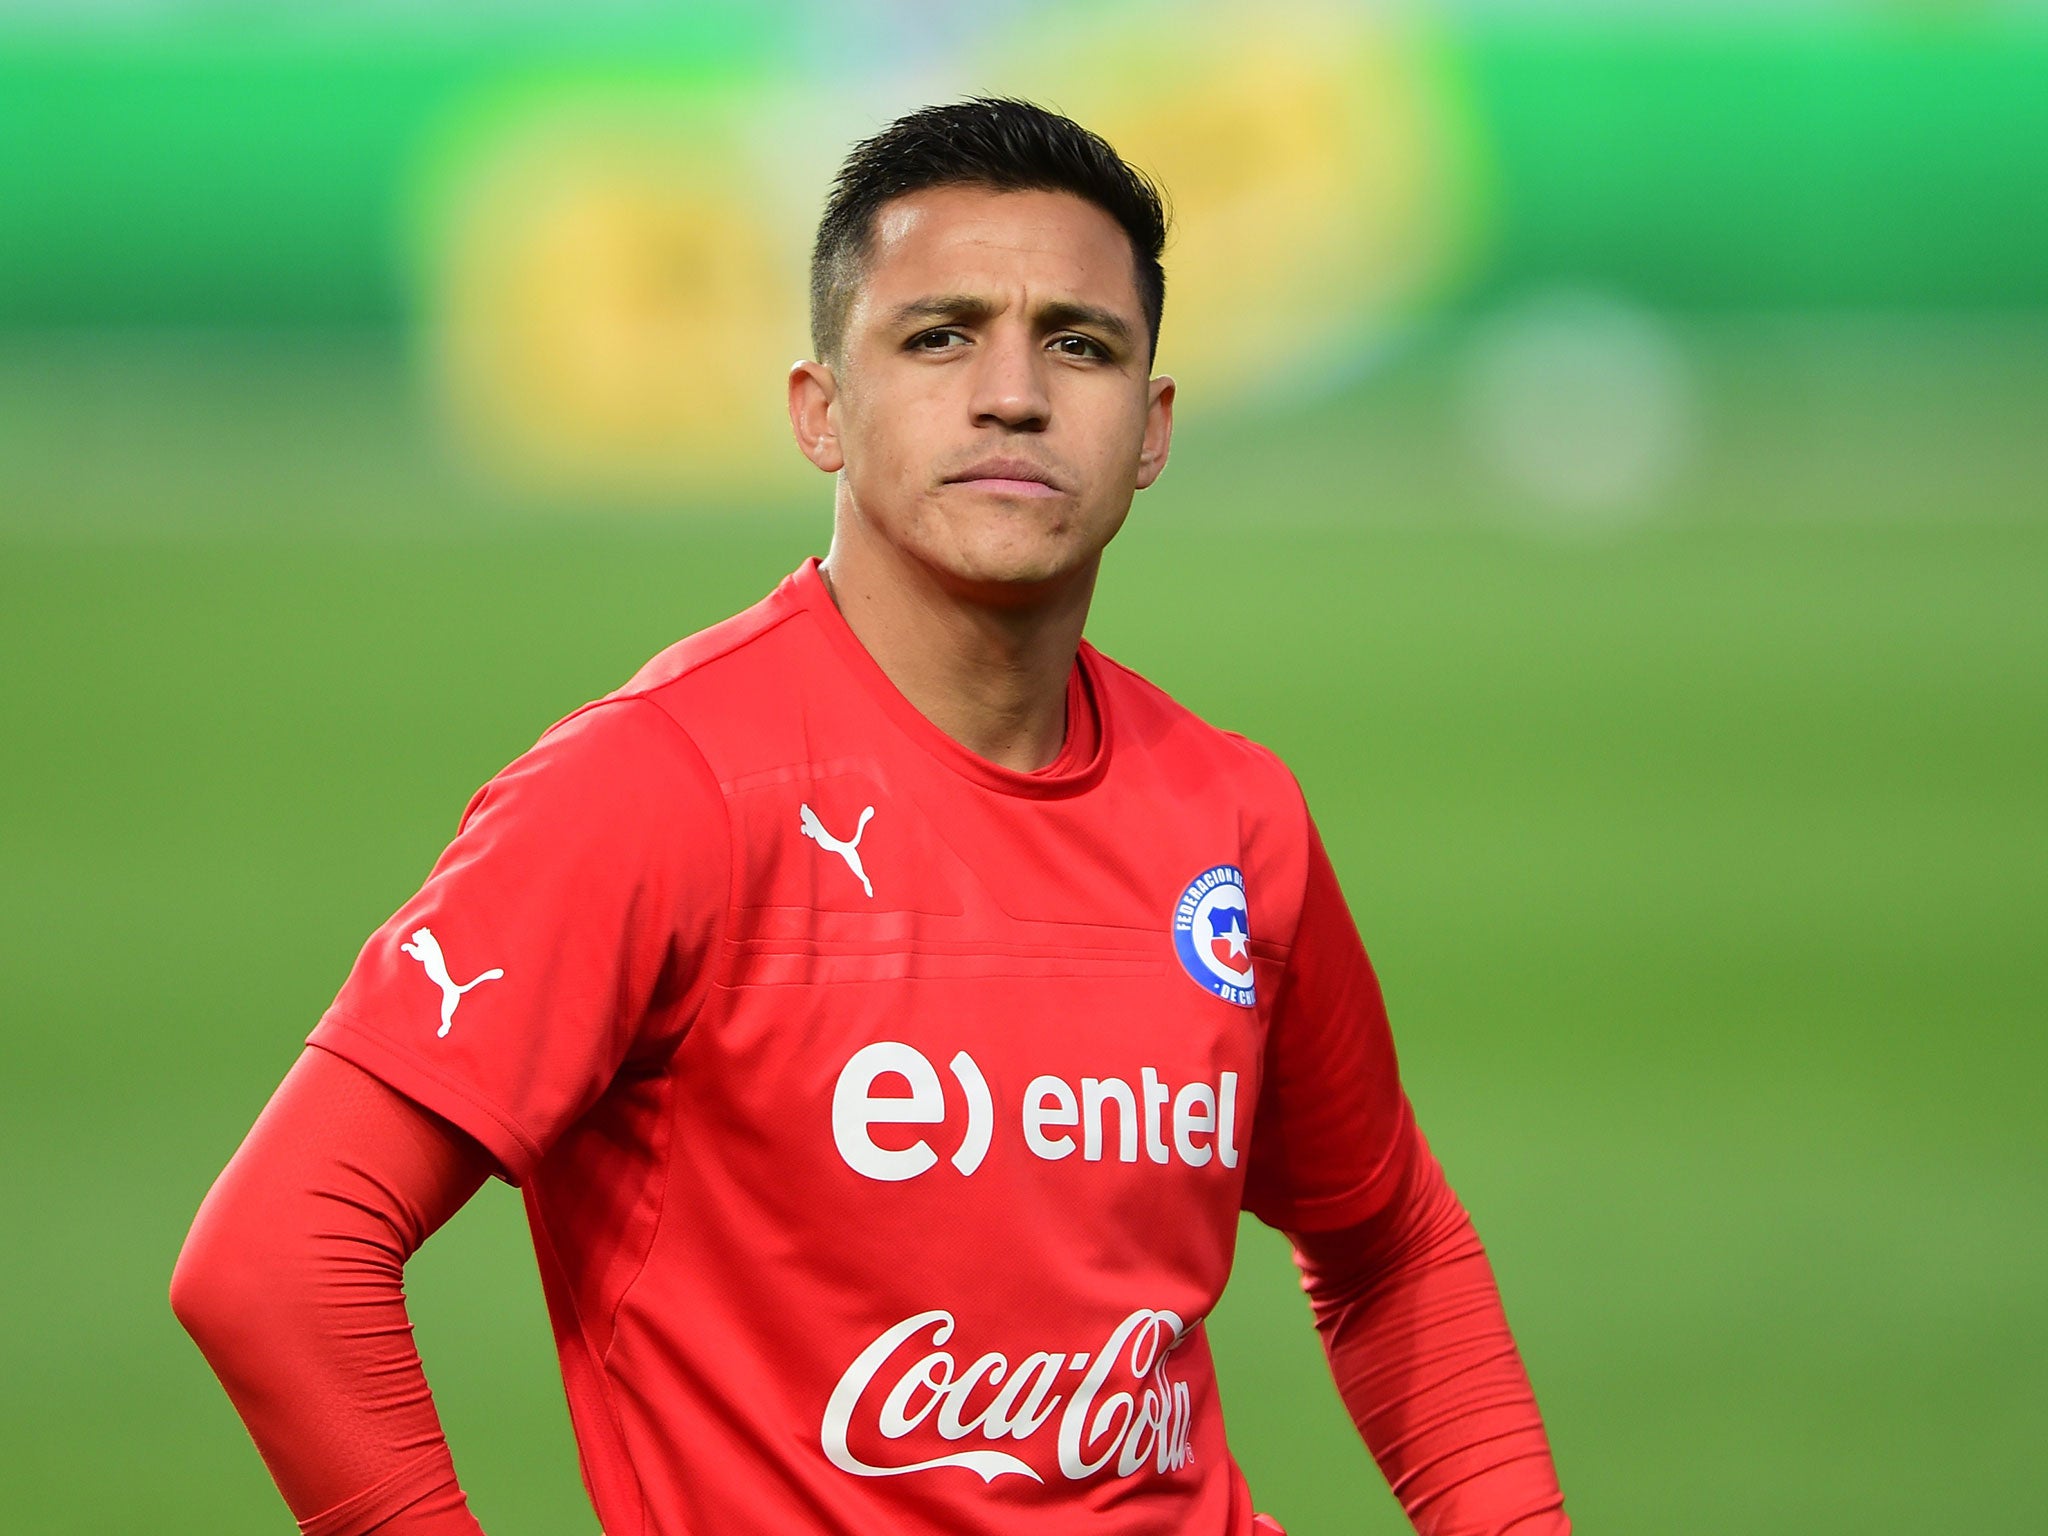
point(702, 987)
point(1300, 897)
point(454, 1085)
point(602, 1373)
point(647, 690)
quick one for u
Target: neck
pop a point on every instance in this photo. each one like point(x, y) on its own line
point(990, 674)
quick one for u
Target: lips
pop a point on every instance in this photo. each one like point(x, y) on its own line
point(1016, 475)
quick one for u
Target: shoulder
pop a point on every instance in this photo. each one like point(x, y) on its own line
point(730, 689)
point(1150, 721)
point(616, 767)
point(639, 735)
point(744, 644)
point(1188, 761)
point(633, 750)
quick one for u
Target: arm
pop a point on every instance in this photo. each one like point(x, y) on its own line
point(583, 883)
point(291, 1283)
point(1412, 1324)
point(1401, 1290)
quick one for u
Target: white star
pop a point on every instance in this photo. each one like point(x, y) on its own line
point(1236, 939)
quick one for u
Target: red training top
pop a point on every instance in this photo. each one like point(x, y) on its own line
point(883, 1115)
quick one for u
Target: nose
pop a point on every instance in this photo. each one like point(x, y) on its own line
point(1010, 382)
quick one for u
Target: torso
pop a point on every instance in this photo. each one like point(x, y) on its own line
point(917, 1226)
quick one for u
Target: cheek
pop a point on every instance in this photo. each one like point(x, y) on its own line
point(1116, 439)
point(885, 441)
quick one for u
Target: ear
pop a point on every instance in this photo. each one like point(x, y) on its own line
point(814, 415)
point(1158, 430)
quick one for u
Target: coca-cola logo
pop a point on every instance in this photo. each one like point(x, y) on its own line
point(1117, 1407)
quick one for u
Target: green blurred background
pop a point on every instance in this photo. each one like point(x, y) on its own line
point(1623, 434)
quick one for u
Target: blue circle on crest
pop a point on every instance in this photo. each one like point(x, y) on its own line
point(1212, 933)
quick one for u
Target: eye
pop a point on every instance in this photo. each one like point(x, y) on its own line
point(1087, 346)
point(934, 340)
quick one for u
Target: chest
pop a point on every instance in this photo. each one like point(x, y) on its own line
point(929, 992)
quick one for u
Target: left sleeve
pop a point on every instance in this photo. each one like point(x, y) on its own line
point(1401, 1290)
point(1333, 1131)
point(1419, 1347)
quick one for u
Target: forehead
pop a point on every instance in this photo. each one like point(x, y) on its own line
point(978, 241)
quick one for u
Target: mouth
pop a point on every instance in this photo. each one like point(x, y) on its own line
point(1008, 477)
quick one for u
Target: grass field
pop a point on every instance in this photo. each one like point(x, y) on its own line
point(1705, 864)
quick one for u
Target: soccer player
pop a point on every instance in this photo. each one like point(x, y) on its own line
point(885, 1001)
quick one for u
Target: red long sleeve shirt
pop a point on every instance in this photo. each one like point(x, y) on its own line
point(292, 1283)
point(884, 1116)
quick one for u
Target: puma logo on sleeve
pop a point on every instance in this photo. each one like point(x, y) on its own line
point(426, 949)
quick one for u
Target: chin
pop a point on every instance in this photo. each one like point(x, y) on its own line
point(1014, 566)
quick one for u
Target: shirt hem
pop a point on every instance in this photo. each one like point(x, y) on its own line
point(350, 1037)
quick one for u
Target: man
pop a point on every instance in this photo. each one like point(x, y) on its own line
point(885, 1002)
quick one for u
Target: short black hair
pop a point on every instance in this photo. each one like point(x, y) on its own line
point(1000, 142)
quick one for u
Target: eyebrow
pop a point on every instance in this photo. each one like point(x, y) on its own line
point(1056, 315)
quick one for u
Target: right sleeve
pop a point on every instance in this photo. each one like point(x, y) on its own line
point(291, 1282)
point(564, 935)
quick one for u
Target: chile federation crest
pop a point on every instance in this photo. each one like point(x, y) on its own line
point(1212, 934)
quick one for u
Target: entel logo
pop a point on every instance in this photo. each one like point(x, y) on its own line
point(1204, 1118)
